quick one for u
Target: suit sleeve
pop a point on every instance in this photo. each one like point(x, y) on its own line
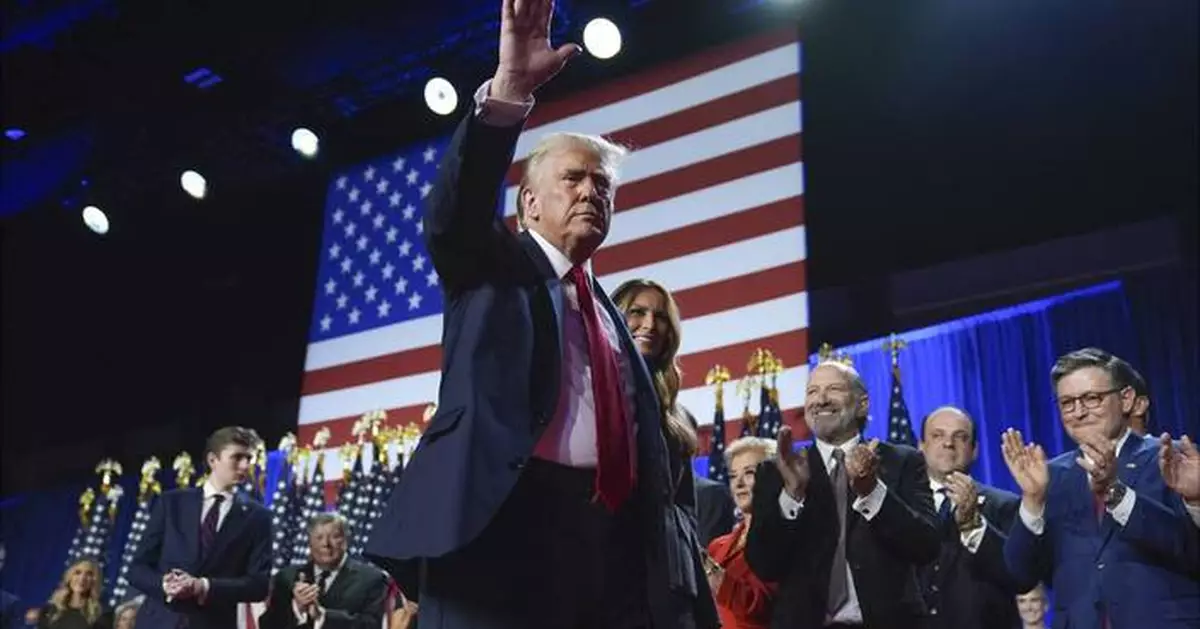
point(773, 540)
point(254, 584)
point(371, 614)
point(1164, 531)
point(461, 221)
point(1026, 556)
point(145, 573)
point(907, 523)
point(279, 614)
point(989, 558)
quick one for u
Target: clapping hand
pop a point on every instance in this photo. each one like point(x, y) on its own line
point(180, 585)
point(962, 493)
point(1100, 461)
point(1027, 464)
point(1180, 466)
point(862, 467)
point(792, 465)
point(526, 58)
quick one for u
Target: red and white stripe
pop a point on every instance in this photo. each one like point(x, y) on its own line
point(711, 205)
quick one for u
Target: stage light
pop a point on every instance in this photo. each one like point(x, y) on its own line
point(14, 134)
point(440, 96)
point(95, 219)
point(193, 183)
point(305, 142)
point(602, 38)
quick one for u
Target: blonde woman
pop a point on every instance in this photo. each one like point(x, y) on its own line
point(652, 317)
point(743, 600)
point(76, 602)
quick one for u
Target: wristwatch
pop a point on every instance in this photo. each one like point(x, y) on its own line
point(1115, 494)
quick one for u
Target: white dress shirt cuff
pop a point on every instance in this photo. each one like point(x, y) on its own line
point(869, 505)
point(202, 595)
point(789, 506)
point(301, 615)
point(1194, 512)
point(972, 539)
point(1035, 523)
point(1124, 509)
point(499, 113)
point(319, 618)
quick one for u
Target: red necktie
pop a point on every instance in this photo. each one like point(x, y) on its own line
point(615, 472)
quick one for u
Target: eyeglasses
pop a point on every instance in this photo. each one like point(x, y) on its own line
point(1090, 400)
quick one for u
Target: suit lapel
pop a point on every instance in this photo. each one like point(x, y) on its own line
point(551, 296)
point(235, 521)
point(337, 588)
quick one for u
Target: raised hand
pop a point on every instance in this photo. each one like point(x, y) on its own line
point(1100, 462)
point(1180, 466)
point(527, 59)
point(1027, 464)
point(793, 466)
point(862, 467)
point(962, 493)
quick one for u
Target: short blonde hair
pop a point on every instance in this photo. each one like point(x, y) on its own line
point(742, 445)
point(610, 153)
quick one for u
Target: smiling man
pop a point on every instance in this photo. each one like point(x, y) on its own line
point(1097, 523)
point(844, 525)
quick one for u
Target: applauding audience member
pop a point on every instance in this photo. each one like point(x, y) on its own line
point(1180, 467)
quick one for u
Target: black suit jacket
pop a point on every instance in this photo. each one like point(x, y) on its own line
point(883, 553)
point(238, 566)
point(501, 356)
point(974, 590)
point(354, 600)
point(714, 509)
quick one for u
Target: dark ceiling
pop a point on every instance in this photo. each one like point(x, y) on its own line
point(934, 129)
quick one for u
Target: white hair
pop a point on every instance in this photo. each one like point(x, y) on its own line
point(742, 445)
point(610, 153)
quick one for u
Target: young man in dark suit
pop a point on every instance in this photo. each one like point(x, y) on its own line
point(967, 586)
point(842, 526)
point(205, 549)
point(331, 591)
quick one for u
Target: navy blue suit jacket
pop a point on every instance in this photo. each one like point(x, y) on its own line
point(1144, 574)
point(238, 566)
point(501, 350)
point(11, 614)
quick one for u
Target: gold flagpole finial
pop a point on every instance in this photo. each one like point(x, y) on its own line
point(892, 347)
point(85, 505)
point(718, 376)
point(149, 485)
point(183, 469)
point(825, 352)
point(107, 469)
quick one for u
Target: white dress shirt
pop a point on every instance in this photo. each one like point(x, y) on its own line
point(319, 620)
point(867, 506)
point(1036, 522)
point(970, 539)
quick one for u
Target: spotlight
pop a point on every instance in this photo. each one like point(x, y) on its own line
point(193, 183)
point(440, 96)
point(95, 219)
point(305, 142)
point(602, 38)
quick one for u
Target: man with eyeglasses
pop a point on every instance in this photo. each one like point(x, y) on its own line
point(1098, 523)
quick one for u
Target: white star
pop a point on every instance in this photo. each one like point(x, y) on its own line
point(394, 200)
point(354, 194)
point(326, 321)
point(369, 173)
point(354, 315)
point(358, 278)
point(391, 234)
point(398, 165)
point(374, 257)
point(405, 247)
point(388, 269)
point(432, 278)
point(335, 251)
point(371, 292)
point(346, 262)
point(425, 188)
point(341, 301)
point(408, 212)
point(419, 263)
point(401, 285)
point(341, 183)
point(420, 228)
point(384, 308)
point(429, 155)
point(378, 222)
point(330, 286)
point(365, 208)
point(338, 214)
point(362, 243)
point(349, 229)
point(414, 301)
point(381, 186)
point(411, 177)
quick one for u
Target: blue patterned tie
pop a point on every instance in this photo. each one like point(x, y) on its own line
point(208, 528)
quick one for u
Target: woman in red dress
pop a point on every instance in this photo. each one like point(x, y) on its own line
point(743, 600)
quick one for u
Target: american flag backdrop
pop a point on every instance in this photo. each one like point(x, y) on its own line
point(711, 205)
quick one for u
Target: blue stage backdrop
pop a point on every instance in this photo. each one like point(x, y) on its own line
point(996, 365)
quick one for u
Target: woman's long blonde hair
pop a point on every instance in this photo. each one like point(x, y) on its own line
point(668, 376)
point(60, 600)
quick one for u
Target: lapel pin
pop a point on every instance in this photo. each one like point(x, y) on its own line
point(981, 499)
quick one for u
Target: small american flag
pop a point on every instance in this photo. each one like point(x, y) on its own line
point(716, 452)
point(899, 423)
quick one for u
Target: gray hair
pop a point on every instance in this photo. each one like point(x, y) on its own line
point(331, 517)
point(610, 153)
